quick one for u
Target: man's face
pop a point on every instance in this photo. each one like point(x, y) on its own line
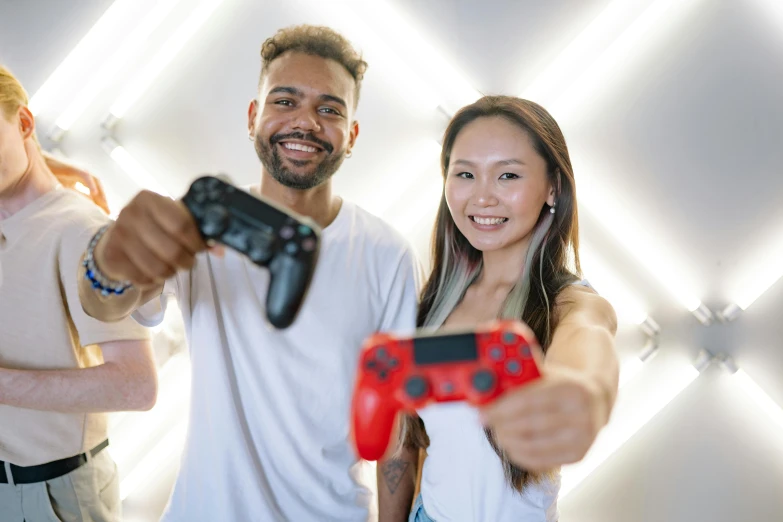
point(302, 123)
point(13, 157)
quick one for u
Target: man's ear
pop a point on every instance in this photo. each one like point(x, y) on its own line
point(353, 134)
point(252, 113)
point(26, 122)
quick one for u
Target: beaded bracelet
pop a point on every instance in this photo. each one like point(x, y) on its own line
point(99, 281)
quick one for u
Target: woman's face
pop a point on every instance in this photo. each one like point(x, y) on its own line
point(496, 184)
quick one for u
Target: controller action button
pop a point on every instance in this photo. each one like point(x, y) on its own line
point(525, 351)
point(416, 387)
point(496, 353)
point(200, 197)
point(211, 183)
point(304, 230)
point(483, 381)
point(513, 367)
point(291, 249)
point(308, 244)
point(509, 337)
point(287, 232)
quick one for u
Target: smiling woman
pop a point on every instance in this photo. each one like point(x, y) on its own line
point(505, 237)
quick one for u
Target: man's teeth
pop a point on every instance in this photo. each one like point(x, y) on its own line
point(488, 221)
point(297, 146)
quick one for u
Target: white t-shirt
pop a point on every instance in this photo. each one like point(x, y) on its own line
point(268, 436)
point(463, 477)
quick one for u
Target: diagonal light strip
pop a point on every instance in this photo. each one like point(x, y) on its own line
point(581, 52)
point(627, 306)
point(132, 45)
point(760, 272)
point(620, 430)
point(75, 64)
point(132, 168)
point(167, 53)
point(640, 35)
point(165, 453)
point(753, 391)
point(763, 269)
point(452, 85)
point(642, 30)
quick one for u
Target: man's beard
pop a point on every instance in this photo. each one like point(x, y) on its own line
point(273, 163)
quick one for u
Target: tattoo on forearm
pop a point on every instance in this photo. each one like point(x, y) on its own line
point(393, 472)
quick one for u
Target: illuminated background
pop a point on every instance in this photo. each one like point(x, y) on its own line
point(674, 125)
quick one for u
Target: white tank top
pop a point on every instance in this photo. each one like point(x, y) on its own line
point(463, 478)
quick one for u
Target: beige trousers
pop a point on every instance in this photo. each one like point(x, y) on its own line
point(88, 494)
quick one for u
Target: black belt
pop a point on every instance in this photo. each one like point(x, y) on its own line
point(49, 470)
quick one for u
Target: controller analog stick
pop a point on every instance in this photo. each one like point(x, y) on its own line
point(483, 381)
point(416, 387)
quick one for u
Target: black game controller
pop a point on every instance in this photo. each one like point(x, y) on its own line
point(285, 243)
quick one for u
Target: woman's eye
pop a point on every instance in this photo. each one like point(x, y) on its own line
point(466, 175)
point(509, 175)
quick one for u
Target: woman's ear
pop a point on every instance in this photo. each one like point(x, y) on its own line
point(550, 200)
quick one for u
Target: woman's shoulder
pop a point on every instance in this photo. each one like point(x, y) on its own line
point(580, 299)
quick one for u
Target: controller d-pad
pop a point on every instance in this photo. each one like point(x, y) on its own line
point(416, 387)
point(483, 381)
point(214, 221)
point(381, 363)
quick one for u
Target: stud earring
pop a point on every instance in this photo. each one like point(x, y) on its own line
point(348, 154)
point(250, 137)
point(552, 209)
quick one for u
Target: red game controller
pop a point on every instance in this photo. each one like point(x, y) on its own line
point(404, 374)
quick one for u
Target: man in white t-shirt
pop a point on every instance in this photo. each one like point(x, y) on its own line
point(269, 424)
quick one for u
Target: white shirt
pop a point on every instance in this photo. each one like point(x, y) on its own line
point(463, 478)
point(270, 410)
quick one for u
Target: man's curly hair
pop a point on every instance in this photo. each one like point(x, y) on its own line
point(315, 41)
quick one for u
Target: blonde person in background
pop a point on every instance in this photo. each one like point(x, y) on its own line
point(60, 370)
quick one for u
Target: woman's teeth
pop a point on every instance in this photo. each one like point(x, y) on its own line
point(488, 221)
